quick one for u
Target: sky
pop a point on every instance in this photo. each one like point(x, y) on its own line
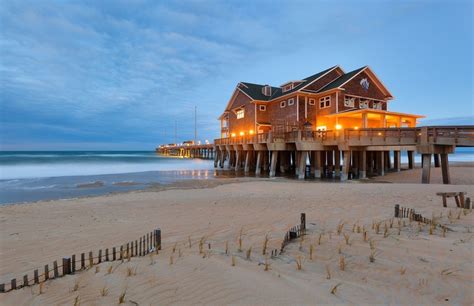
point(119, 75)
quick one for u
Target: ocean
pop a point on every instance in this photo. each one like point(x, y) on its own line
point(34, 176)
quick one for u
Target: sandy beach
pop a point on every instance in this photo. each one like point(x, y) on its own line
point(410, 266)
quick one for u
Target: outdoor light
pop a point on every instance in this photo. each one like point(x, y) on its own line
point(232, 135)
point(241, 134)
point(379, 133)
point(207, 141)
point(338, 126)
point(251, 132)
point(356, 128)
point(199, 142)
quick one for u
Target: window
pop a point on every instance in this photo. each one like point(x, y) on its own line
point(262, 108)
point(363, 103)
point(312, 102)
point(325, 102)
point(240, 113)
point(291, 101)
point(377, 105)
point(287, 88)
point(349, 101)
point(282, 104)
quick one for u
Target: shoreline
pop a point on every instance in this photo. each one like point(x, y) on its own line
point(109, 184)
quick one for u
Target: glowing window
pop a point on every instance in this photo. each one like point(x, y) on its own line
point(325, 102)
point(240, 113)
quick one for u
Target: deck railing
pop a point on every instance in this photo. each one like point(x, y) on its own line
point(443, 135)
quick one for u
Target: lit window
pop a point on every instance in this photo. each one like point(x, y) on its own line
point(282, 104)
point(312, 102)
point(363, 103)
point(349, 101)
point(240, 113)
point(291, 101)
point(262, 108)
point(325, 102)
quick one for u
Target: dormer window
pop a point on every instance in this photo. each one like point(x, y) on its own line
point(267, 90)
point(287, 87)
point(240, 113)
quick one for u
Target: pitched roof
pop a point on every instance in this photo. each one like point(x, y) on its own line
point(341, 80)
point(255, 90)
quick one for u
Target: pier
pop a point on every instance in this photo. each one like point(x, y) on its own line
point(204, 151)
point(344, 154)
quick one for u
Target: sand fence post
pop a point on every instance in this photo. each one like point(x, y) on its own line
point(114, 256)
point(73, 264)
point(140, 250)
point(83, 261)
point(25, 280)
point(36, 276)
point(55, 268)
point(121, 253)
point(91, 259)
point(66, 265)
point(100, 256)
point(397, 210)
point(107, 255)
point(136, 247)
point(158, 239)
point(303, 222)
point(13, 284)
point(2, 288)
point(46, 272)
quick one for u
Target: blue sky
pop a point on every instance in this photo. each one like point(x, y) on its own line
point(118, 74)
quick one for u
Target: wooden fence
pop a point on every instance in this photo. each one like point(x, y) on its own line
point(69, 265)
point(294, 232)
point(410, 213)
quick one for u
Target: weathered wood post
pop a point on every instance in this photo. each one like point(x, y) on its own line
point(114, 255)
point(13, 284)
point(121, 252)
point(397, 210)
point(25, 280)
point(66, 265)
point(91, 259)
point(55, 268)
point(158, 239)
point(136, 248)
point(100, 256)
point(2, 288)
point(107, 255)
point(83, 261)
point(73, 264)
point(36, 276)
point(46, 272)
point(303, 222)
point(141, 248)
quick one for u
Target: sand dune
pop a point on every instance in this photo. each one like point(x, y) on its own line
point(411, 268)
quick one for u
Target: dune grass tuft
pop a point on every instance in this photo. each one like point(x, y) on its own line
point(340, 227)
point(248, 253)
point(319, 239)
point(131, 271)
point(76, 285)
point(299, 263)
point(403, 270)
point(240, 239)
point(342, 263)
point(97, 269)
point(77, 302)
point(267, 264)
point(227, 247)
point(328, 272)
point(189, 241)
point(334, 289)
point(104, 291)
point(171, 260)
point(122, 296)
point(265, 244)
point(233, 262)
point(311, 251)
point(347, 238)
point(41, 288)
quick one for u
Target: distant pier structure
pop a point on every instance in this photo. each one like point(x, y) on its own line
point(188, 149)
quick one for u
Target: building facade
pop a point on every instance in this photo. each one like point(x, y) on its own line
point(329, 100)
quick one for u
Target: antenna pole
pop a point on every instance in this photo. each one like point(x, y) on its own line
point(195, 124)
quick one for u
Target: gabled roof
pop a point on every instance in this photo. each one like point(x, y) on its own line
point(255, 90)
point(342, 79)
